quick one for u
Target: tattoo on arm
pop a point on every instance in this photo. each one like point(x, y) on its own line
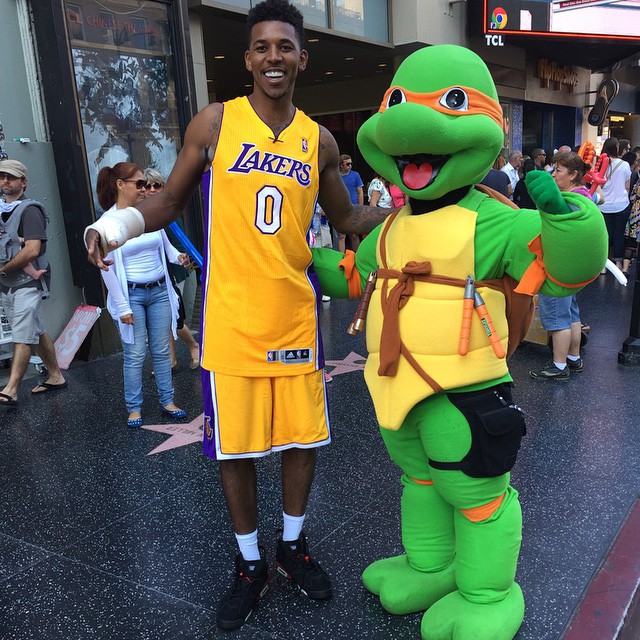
point(214, 133)
point(365, 218)
point(214, 125)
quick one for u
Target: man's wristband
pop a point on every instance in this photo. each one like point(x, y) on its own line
point(117, 227)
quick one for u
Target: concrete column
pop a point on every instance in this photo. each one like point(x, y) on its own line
point(199, 61)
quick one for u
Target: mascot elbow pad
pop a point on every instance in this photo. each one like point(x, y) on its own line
point(351, 274)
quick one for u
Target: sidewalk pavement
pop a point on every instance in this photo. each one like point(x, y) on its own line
point(108, 532)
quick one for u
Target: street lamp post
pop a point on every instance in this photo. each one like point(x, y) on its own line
point(630, 352)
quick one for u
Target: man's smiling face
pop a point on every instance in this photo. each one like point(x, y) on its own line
point(274, 58)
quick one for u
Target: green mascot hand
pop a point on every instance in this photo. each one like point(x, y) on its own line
point(545, 193)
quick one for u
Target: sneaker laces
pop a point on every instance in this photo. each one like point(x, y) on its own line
point(241, 585)
point(301, 556)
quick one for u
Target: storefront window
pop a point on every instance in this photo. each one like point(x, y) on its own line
point(313, 11)
point(125, 80)
point(366, 18)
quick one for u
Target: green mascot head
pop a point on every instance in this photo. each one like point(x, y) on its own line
point(439, 127)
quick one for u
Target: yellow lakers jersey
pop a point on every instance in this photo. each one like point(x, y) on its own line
point(260, 311)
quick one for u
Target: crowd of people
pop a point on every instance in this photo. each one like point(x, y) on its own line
point(619, 201)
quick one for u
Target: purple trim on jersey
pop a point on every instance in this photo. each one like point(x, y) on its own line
point(312, 276)
point(207, 178)
point(208, 442)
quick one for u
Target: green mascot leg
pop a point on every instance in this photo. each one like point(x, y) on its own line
point(413, 582)
point(488, 604)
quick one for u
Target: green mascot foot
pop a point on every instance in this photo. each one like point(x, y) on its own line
point(454, 618)
point(403, 589)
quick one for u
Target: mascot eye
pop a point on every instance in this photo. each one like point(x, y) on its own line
point(396, 97)
point(455, 99)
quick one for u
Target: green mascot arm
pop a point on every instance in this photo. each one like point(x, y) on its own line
point(545, 193)
point(573, 239)
point(332, 276)
point(575, 244)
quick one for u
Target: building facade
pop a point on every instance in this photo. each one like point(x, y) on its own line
point(94, 83)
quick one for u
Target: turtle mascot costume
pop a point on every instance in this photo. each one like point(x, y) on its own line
point(438, 326)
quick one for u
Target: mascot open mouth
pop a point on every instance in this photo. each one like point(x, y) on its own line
point(419, 171)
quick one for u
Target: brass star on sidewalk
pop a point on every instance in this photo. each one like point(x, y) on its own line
point(353, 362)
point(181, 434)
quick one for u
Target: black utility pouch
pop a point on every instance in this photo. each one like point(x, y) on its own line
point(497, 440)
point(497, 428)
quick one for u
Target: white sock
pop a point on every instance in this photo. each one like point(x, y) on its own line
point(248, 544)
point(292, 527)
point(573, 358)
point(561, 365)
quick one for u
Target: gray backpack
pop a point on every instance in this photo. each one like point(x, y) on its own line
point(10, 244)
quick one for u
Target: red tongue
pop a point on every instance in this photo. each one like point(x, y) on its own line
point(417, 177)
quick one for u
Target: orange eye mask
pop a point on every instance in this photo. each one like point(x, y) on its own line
point(478, 102)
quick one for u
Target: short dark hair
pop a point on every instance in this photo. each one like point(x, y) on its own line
point(279, 11)
point(572, 161)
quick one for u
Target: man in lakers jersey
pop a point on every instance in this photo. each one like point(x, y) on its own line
point(267, 165)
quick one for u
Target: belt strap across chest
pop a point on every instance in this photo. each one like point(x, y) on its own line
point(391, 345)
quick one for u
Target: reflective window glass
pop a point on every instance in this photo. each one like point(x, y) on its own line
point(314, 12)
point(365, 18)
point(125, 78)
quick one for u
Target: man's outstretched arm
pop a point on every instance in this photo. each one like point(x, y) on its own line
point(113, 230)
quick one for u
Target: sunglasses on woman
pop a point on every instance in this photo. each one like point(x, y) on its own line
point(155, 185)
point(140, 184)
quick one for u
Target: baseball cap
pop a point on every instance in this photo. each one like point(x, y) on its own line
point(14, 168)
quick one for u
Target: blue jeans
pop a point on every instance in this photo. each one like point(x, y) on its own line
point(152, 322)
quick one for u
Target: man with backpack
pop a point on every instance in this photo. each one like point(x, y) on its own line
point(23, 286)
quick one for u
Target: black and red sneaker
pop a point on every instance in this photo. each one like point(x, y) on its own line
point(295, 563)
point(251, 583)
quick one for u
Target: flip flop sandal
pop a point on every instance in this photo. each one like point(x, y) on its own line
point(8, 402)
point(606, 92)
point(47, 386)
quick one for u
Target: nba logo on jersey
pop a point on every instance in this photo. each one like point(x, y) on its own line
point(305, 146)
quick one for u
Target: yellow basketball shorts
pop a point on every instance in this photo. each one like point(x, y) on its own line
point(251, 417)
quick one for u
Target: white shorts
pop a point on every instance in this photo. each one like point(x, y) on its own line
point(23, 309)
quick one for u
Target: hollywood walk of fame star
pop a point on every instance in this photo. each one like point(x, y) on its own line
point(353, 362)
point(181, 434)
